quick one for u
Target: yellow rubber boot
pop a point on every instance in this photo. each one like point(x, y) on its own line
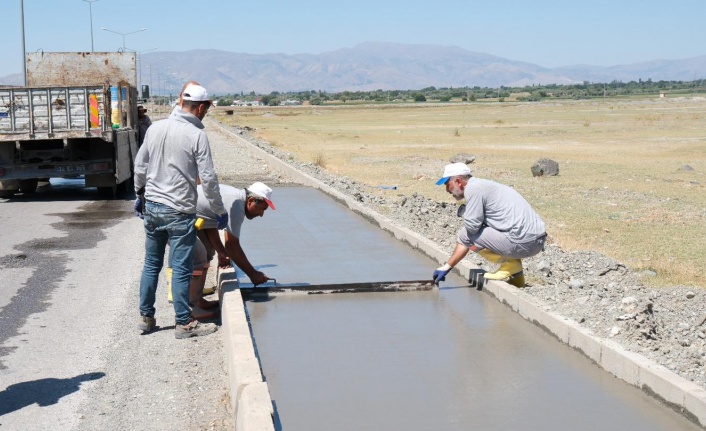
point(509, 268)
point(169, 284)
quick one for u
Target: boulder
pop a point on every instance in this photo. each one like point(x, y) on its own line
point(545, 167)
point(463, 158)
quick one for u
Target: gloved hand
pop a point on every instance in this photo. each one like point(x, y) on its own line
point(139, 207)
point(440, 273)
point(222, 221)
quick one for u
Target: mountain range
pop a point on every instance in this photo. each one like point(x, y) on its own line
point(386, 66)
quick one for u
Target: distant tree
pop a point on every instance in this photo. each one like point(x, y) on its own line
point(419, 97)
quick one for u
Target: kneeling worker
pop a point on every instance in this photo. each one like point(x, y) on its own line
point(498, 224)
point(241, 204)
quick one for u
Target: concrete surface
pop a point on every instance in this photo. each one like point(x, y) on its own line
point(449, 359)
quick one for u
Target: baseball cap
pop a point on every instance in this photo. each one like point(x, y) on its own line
point(196, 93)
point(453, 169)
point(141, 108)
point(262, 191)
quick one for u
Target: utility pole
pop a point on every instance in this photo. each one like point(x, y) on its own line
point(24, 53)
point(90, 12)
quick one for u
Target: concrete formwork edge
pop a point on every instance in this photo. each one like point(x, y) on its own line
point(676, 392)
point(249, 395)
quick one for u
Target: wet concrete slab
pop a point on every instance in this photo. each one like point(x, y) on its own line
point(453, 359)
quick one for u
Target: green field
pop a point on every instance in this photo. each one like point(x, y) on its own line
point(631, 181)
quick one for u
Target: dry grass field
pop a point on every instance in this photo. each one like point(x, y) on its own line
point(631, 181)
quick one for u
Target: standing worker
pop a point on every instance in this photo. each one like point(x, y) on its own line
point(249, 203)
point(175, 152)
point(143, 123)
point(498, 224)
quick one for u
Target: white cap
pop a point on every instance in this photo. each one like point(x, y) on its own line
point(452, 170)
point(262, 191)
point(196, 93)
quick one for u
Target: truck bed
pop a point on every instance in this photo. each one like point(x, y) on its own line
point(53, 112)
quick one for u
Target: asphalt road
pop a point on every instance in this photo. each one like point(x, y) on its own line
point(71, 357)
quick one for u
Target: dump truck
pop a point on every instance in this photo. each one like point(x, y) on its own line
point(75, 118)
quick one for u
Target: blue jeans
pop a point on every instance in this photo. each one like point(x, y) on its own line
point(164, 224)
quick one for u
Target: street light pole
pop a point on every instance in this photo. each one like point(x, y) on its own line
point(124, 34)
point(139, 59)
point(90, 11)
point(24, 53)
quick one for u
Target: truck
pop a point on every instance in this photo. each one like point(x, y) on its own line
point(75, 118)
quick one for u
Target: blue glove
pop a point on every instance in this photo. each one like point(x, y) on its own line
point(138, 208)
point(222, 221)
point(440, 273)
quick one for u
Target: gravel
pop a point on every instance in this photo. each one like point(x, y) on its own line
point(667, 325)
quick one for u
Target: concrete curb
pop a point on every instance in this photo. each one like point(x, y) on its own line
point(681, 395)
point(249, 394)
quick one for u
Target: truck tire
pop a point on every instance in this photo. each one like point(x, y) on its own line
point(29, 186)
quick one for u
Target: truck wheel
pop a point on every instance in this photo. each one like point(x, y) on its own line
point(29, 186)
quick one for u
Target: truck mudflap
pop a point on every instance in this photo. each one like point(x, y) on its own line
point(56, 169)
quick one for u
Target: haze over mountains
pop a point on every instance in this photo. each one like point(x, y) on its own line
point(387, 66)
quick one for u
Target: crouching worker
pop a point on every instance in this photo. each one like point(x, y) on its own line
point(498, 224)
point(241, 204)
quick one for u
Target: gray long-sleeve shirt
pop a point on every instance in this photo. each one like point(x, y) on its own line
point(500, 207)
point(175, 152)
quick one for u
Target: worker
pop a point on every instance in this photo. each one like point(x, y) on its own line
point(498, 224)
point(143, 123)
point(247, 203)
point(175, 153)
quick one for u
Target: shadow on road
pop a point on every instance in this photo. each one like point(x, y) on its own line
point(44, 392)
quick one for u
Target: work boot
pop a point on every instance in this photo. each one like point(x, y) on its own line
point(509, 268)
point(194, 329)
point(146, 324)
point(169, 284)
point(517, 280)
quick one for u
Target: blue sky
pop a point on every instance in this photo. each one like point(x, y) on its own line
point(545, 32)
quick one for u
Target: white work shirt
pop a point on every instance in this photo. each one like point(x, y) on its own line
point(234, 202)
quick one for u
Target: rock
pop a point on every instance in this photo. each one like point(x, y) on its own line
point(463, 158)
point(577, 283)
point(545, 167)
point(544, 267)
point(686, 168)
point(690, 295)
point(702, 320)
point(625, 317)
point(615, 330)
point(648, 273)
point(629, 300)
point(582, 300)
